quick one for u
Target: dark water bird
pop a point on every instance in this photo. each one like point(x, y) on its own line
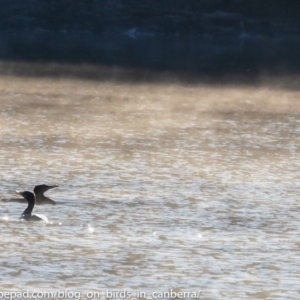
point(27, 213)
point(40, 198)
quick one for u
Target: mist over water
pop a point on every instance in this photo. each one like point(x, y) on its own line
point(161, 186)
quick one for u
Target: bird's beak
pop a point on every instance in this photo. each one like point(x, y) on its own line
point(52, 186)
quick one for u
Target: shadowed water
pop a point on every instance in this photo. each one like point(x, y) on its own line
point(161, 186)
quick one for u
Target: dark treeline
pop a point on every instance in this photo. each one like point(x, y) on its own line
point(208, 36)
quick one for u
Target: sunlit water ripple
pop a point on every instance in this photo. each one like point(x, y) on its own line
point(155, 192)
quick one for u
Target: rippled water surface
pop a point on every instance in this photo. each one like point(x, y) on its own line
point(161, 186)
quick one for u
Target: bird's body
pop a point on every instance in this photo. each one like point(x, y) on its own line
point(40, 198)
point(34, 217)
point(27, 213)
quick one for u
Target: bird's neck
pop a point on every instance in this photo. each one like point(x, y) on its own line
point(29, 209)
point(41, 198)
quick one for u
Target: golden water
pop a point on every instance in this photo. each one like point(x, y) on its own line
point(161, 186)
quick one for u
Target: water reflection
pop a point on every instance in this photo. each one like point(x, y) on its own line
point(163, 186)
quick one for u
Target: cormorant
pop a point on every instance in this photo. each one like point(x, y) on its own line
point(27, 214)
point(39, 191)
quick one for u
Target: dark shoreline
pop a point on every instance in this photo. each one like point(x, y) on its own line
point(235, 38)
point(124, 75)
point(194, 54)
